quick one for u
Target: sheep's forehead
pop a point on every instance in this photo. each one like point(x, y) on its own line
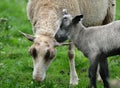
point(42, 39)
point(43, 42)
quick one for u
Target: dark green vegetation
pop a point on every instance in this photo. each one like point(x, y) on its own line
point(16, 63)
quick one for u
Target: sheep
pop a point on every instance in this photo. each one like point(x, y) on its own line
point(96, 43)
point(44, 15)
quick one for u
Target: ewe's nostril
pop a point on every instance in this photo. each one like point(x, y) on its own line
point(39, 79)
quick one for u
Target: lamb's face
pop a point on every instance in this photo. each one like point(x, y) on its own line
point(43, 53)
point(63, 29)
point(67, 23)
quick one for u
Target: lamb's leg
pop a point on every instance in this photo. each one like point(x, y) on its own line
point(73, 75)
point(104, 72)
point(93, 71)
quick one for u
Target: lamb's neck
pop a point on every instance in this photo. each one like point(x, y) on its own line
point(77, 32)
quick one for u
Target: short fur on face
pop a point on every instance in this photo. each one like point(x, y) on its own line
point(43, 52)
point(66, 24)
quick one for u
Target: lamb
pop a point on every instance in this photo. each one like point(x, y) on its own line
point(44, 15)
point(97, 43)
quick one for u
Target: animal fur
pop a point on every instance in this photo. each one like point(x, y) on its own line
point(44, 15)
point(97, 43)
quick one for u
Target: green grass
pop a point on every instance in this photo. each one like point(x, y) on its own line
point(16, 64)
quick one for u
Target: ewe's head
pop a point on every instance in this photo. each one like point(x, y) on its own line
point(43, 52)
point(66, 24)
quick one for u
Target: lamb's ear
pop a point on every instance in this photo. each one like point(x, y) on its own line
point(76, 19)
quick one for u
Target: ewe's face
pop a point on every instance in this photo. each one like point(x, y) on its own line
point(63, 29)
point(43, 53)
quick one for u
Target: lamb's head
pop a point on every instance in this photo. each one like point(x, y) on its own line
point(66, 24)
point(43, 52)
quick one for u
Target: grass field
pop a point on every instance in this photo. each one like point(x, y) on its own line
point(16, 64)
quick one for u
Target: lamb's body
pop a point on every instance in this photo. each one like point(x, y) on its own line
point(97, 43)
point(102, 39)
point(44, 15)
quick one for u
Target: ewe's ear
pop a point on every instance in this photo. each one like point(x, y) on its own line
point(28, 36)
point(76, 19)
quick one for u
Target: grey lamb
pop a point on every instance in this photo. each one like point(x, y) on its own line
point(97, 43)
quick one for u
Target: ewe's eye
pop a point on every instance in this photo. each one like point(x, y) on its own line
point(50, 54)
point(47, 54)
point(33, 52)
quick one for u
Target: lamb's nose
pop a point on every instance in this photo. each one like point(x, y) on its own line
point(56, 37)
point(60, 38)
